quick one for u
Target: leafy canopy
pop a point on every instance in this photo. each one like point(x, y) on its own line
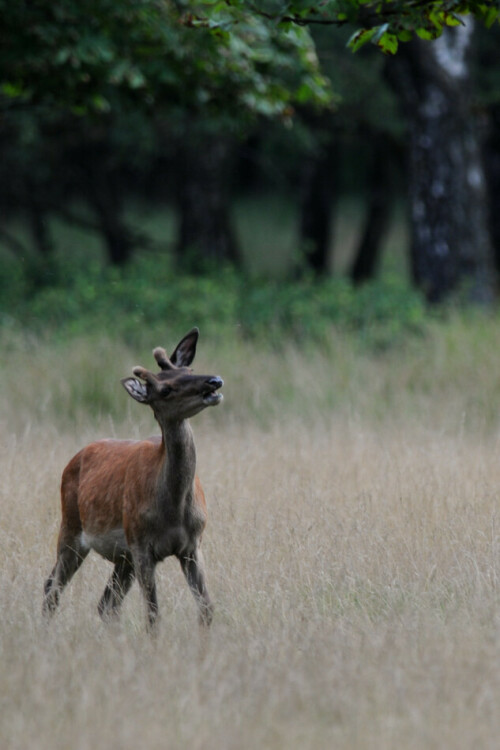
point(384, 23)
point(154, 53)
point(240, 57)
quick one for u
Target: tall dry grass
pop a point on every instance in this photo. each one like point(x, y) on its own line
point(352, 552)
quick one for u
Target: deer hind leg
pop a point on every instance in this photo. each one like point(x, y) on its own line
point(116, 589)
point(194, 570)
point(69, 558)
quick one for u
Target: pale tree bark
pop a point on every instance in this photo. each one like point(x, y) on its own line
point(450, 243)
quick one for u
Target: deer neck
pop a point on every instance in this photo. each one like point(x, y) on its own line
point(179, 464)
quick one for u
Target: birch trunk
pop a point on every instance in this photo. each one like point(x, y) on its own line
point(450, 244)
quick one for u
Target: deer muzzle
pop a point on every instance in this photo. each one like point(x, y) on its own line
point(210, 397)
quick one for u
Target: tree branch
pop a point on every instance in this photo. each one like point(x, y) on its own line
point(366, 17)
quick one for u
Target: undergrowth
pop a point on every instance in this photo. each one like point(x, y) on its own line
point(147, 294)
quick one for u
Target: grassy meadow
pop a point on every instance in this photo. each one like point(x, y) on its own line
point(352, 551)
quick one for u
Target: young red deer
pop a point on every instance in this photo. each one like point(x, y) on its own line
point(137, 502)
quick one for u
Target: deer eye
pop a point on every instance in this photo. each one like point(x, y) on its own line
point(166, 391)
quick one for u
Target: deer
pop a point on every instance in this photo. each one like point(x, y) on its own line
point(136, 502)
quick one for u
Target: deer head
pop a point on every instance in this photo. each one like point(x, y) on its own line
point(175, 393)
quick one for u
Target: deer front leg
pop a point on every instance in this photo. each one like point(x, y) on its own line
point(144, 565)
point(193, 568)
point(117, 587)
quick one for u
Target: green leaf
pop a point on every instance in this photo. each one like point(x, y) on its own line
point(437, 19)
point(388, 43)
point(451, 19)
point(490, 17)
point(360, 38)
point(101, 104)
point(379, 33)
point(62, 56)
point(12, 90)
point(136, 79)
point(426, 33)
point(405, 35)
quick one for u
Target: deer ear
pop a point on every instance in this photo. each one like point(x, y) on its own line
point(186, 349)
point(136, 389)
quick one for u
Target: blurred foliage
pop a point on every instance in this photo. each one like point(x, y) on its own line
point(254, 57)
point(383, 23)
point(146, 294)
point(100, 56)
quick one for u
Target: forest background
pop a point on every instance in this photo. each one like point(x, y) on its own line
point(149, 152)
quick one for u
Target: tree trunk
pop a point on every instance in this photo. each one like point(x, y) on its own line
point(367, 256)
point(43, 270)
point(38, 222)
point(319, 188)
point(492, 170)
point(450, 244)
point(102, 189)
point(203, 199)
point(108, 208)
point(105, 197)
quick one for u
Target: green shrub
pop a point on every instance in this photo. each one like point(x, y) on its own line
point(153, 295)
